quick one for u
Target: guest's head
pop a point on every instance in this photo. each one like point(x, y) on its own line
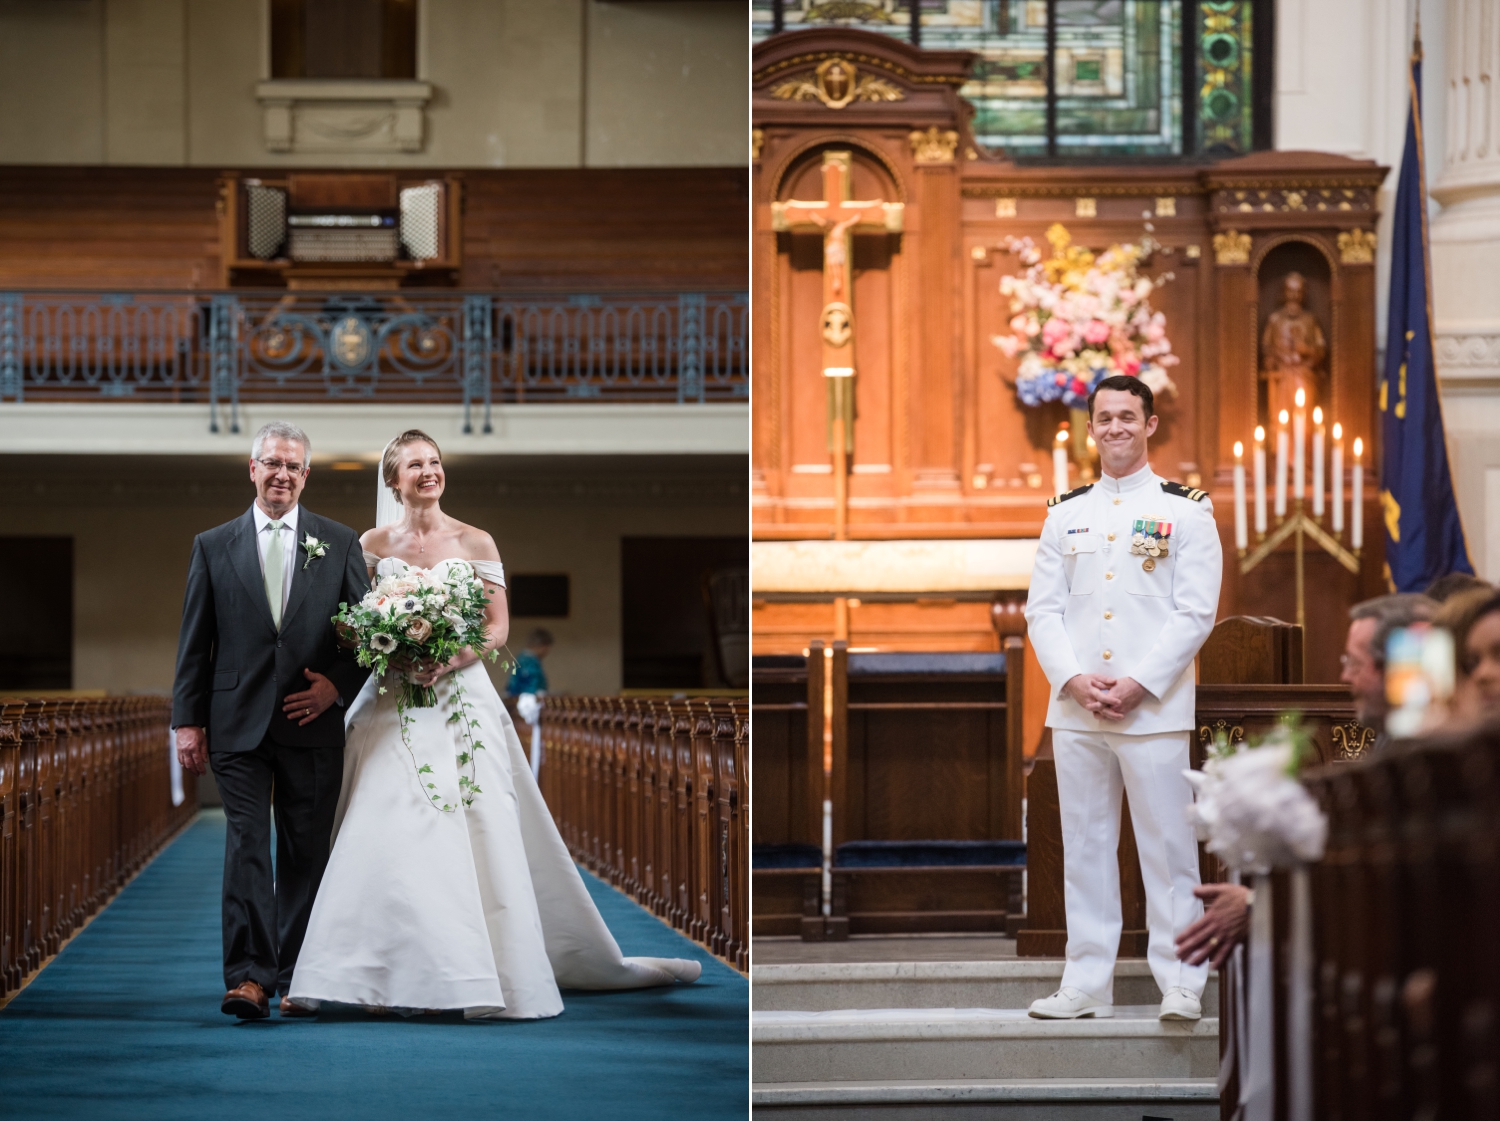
point(1122, 417)
point(1446, 587)
point(539, 641)
point(1370, 626)
point(279, 466)
point(413, 469)
point(1474, 618)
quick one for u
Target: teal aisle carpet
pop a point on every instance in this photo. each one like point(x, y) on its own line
point(125, 1023)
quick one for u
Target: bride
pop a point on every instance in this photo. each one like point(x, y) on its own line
point(480, 908)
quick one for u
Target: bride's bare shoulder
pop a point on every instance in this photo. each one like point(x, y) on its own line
point(477, 544)
point(376, 540)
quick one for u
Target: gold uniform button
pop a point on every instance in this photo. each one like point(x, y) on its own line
point(1116, 501)
point(1109, 575)
point(1107, 655)
point(1109, 614)
point(1111, 536)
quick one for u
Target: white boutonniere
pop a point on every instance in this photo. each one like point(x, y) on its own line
point(313, 548)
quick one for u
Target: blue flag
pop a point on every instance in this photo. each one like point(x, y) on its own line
point(1424, 538)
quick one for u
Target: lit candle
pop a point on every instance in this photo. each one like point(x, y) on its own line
point(1281, 465)
point(1060, 463)
point(1317, 463)
point(1260, 481)
point(1241, 531)
point(1357, 513)
point(1338, 478)
point(1299, 439)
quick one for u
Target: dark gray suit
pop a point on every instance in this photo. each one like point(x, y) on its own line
point(234, 671)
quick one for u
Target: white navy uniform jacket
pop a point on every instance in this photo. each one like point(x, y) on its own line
point(1097, 607)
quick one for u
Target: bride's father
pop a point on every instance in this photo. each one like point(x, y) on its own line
point(260, 695)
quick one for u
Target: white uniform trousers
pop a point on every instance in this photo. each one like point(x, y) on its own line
point(1091, 769)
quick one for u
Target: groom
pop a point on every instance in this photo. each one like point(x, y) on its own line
point(260, 695)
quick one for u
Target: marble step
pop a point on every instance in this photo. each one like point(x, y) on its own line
point(1009, 983)
point(1013, 1099)
point(977, 1043)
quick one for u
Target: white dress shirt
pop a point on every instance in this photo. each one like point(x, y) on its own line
point(1095, 607)
point(288, 547)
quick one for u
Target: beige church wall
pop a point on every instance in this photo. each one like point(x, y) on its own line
point(1341, 87)
point(51, 82)
point(133, 520)
point(668, 83)
point(515, 83)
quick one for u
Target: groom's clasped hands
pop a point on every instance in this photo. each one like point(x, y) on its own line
point(1109, 698)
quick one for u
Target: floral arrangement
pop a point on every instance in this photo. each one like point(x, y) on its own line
point(415, 619)
point(1250, 809)
point(1078, 319)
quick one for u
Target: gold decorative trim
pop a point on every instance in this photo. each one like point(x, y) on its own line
point(1005, 207)
point(1086, 207)
point(837, 84)
point(935, 145)
point(1352, 740)
point(1232, 248)
point(863, 60)
point(1166, 206)
point(1208, 733)
point(757, 140)
point(1073, 190)
point(1357, 247)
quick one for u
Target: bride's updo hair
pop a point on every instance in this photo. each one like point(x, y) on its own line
point(390, 465)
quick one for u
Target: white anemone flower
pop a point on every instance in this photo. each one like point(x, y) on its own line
point(382, 643)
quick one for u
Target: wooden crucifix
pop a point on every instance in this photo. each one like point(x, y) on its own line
point(838, 218)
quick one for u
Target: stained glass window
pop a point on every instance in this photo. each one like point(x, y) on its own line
point(1079, 79)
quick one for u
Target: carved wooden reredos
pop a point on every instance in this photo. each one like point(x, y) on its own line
point(942, 447)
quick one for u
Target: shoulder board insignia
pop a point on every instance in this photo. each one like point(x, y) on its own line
point(1185, 492)
point(1074, 493)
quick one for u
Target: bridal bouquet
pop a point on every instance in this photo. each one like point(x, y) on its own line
point(1078, 319)
point(413, 619)
point(1250, 808)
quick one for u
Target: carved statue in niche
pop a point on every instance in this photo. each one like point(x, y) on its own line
point(1292, 351)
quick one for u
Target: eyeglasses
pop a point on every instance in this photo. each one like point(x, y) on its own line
point(275, 466)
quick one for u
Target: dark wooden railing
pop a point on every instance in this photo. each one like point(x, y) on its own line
point(650, 795)
point(85, 801)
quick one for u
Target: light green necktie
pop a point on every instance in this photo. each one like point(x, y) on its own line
point(274, 573)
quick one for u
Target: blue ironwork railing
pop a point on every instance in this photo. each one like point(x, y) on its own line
point(472, 349)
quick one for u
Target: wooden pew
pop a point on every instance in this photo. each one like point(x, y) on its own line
point(647, 795)
point(787, 753)
point(926, 791)
point(85, 801)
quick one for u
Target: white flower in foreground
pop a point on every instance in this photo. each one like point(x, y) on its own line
point(1252, 813)
point(382, 643)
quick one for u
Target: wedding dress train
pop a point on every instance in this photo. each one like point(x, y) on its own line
point(480, 909)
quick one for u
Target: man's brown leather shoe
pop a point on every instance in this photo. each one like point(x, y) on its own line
point(248, 1002)
point(290, 1009)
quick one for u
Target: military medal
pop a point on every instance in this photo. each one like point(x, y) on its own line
point(1149, 538)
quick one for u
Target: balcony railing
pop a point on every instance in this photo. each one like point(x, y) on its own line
point(471, 349)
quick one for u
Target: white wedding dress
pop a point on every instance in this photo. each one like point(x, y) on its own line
point(480, 909)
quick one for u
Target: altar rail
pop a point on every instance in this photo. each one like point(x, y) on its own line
point(650, 795)
point(85, 801)
point(469, 348)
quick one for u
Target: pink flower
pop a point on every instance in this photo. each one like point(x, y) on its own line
point(419, 630)
point(1097, 331)
point(1008, 345)
point(1054, 331)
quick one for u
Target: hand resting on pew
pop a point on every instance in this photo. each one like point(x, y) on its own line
point(1225, 922)
point(1109, 698)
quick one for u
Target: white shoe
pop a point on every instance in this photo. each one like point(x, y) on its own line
point(1070, 1004)
point(1180, 1004)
